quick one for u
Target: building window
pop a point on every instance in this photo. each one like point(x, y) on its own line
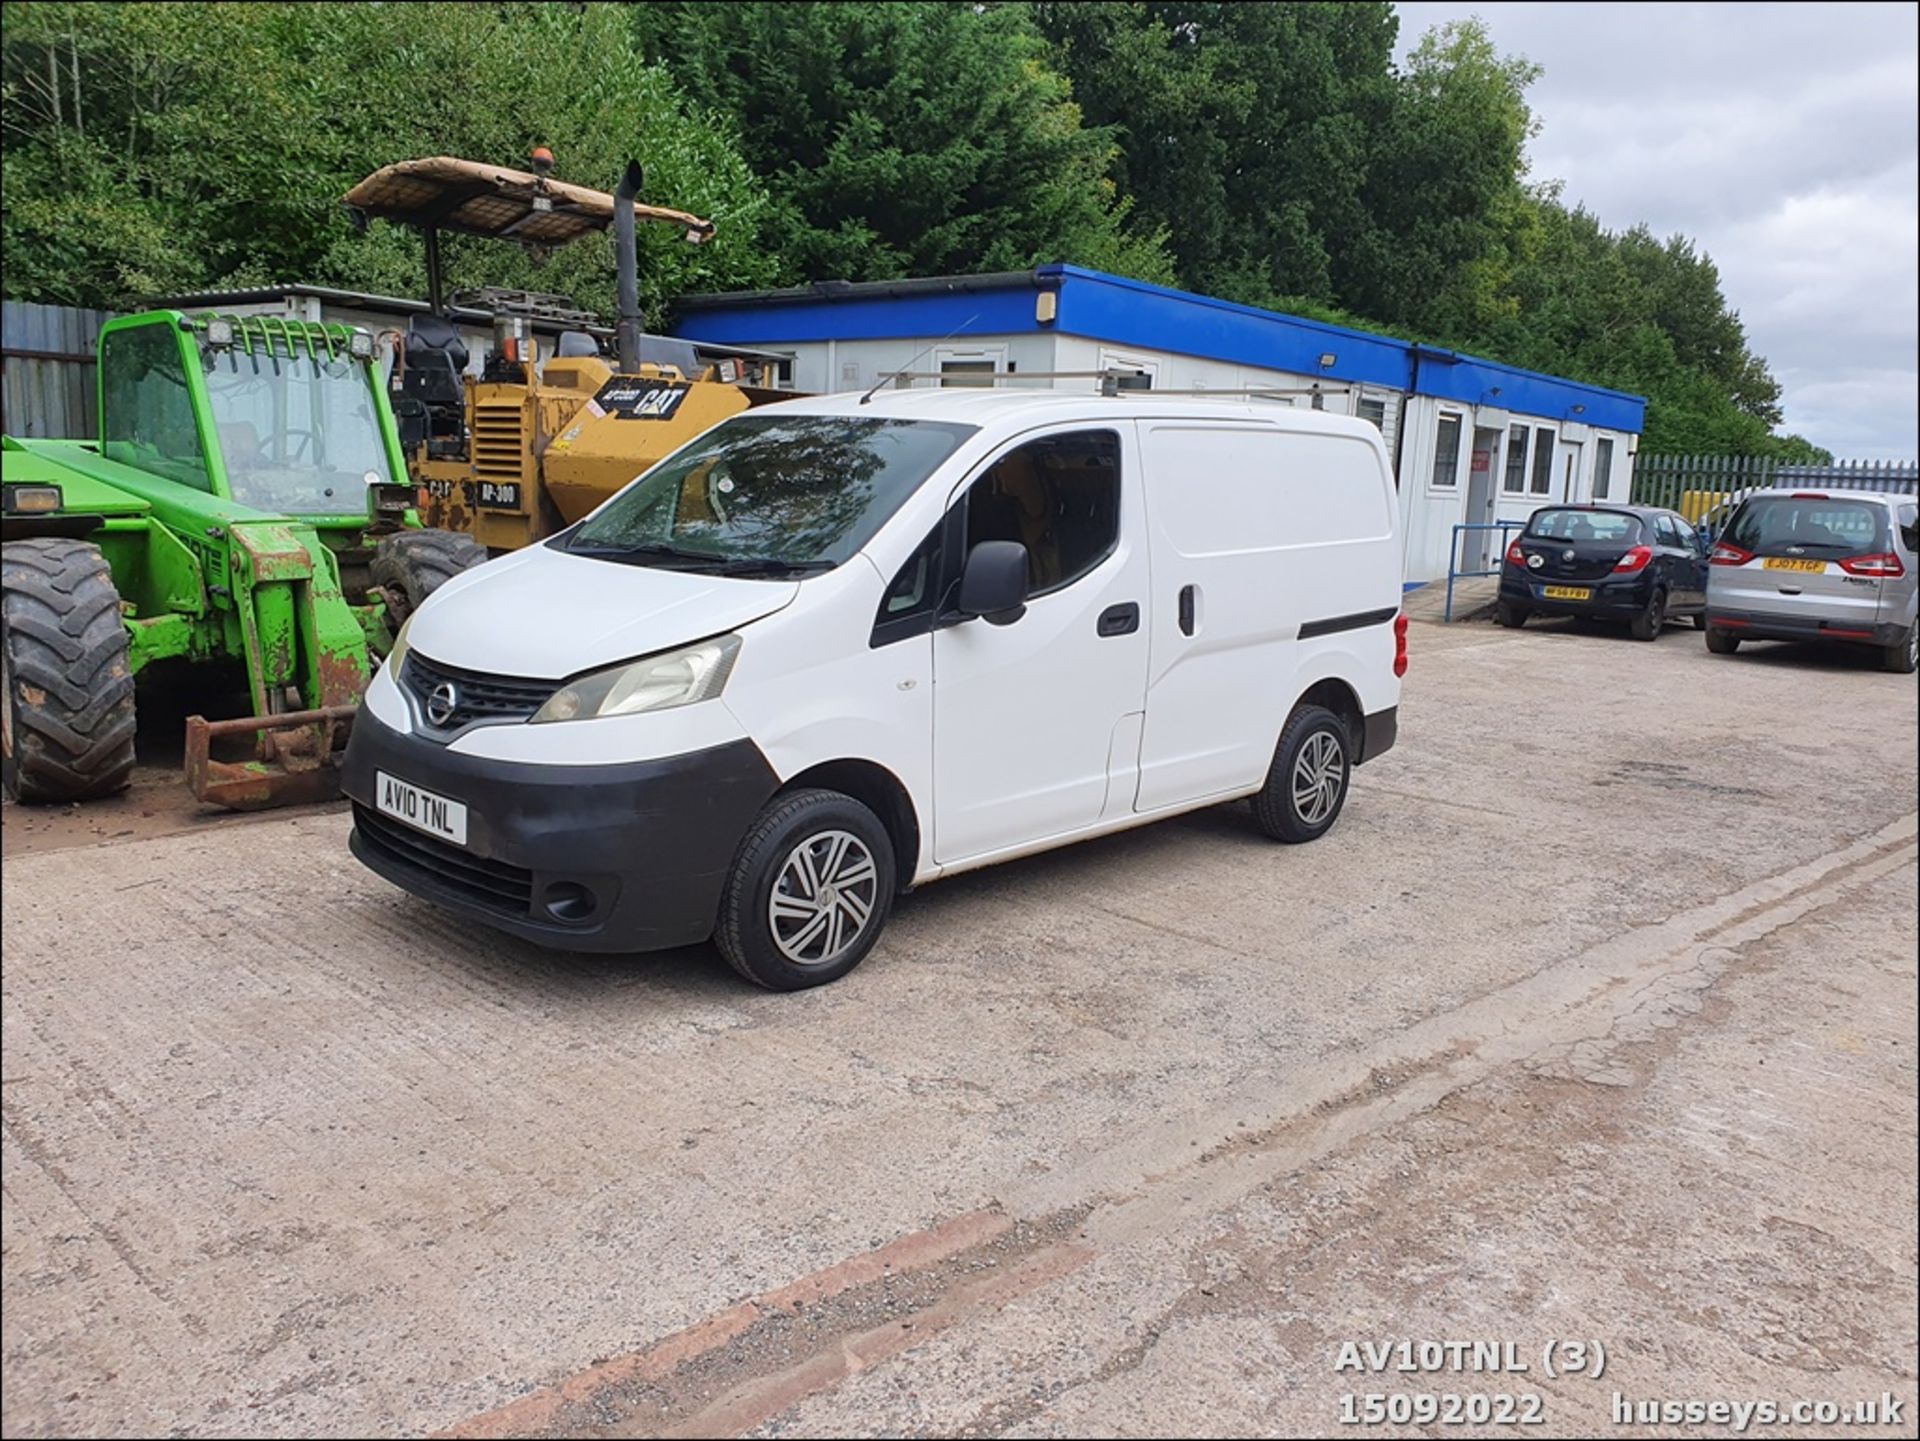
point(1446, 454)
point(967, 373)
point(1542, 461)
point(1374, 412)
point(1602, 467)
point(1516, 477)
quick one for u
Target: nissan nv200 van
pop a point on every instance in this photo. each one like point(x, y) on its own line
point(837, 647)
point(1818, 565)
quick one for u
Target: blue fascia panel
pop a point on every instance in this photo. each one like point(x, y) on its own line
point(879, 317)
point(1133, 313)
point(1451, 376)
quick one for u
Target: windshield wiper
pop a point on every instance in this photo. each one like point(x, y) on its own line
point(644, 552)
point(704, 561)
point(770, 565)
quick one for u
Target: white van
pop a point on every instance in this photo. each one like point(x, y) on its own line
point(835, 648)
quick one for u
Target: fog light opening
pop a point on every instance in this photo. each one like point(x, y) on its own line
point(567, 901)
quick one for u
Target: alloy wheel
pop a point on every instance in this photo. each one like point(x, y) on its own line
point(1316, 777)
point(822, 897)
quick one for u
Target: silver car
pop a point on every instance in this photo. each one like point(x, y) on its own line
point(1814, 565)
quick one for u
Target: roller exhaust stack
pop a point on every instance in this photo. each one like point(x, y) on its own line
point(627, 264)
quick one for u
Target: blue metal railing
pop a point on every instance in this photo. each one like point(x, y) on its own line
point(1454, 572)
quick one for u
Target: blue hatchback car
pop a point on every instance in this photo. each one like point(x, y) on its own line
point(1631, 563)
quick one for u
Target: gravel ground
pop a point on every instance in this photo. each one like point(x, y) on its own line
point(1594, 1019)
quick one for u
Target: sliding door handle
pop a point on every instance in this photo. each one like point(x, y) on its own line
point(1187, 598)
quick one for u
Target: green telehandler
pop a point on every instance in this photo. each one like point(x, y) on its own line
point(245, 507)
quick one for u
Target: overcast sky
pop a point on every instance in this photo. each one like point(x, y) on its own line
point(1782, 138)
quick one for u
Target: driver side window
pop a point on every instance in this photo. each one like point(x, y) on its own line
point(1059, 497)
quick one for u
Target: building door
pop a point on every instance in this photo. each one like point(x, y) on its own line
point(1482, 546)
point(1570, 490)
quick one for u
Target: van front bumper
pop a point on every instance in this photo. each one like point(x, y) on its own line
point(627, 857)
point(1760, 625)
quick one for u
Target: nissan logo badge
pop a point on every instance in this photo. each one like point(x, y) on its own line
point(442, 702)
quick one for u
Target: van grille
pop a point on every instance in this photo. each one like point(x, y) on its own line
point(478, 697)
point(493, 884)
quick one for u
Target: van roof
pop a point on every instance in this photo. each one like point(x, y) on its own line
point(1003, 408)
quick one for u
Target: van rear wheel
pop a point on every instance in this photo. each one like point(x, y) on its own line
point(811, 886)
point(1721, 642)
point(1307, 782)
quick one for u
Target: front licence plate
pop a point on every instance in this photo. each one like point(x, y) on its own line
point(423, 810)
point(1566, 592)
point(1780, 562)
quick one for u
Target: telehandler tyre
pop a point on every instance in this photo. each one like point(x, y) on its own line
point(412, 565)
point(66, 673)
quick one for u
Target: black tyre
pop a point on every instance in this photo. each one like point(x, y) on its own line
point(411, 565)
point(1510, 615)
point(66, 716)
point(811, 887)
point(1647, 624)
point(1307, 782)
point(1903, 656)
point(1720, 642)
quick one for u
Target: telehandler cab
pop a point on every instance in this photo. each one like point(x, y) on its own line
point(246, 503)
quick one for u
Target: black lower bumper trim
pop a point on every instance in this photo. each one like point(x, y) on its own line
point(628, 857)
point(1382, 730)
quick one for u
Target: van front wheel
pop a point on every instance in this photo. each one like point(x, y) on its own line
point(811, 886)
point(1307, 782)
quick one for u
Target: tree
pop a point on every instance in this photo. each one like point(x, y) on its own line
point(186, 156)
point(905, 139)
point(1244, 130)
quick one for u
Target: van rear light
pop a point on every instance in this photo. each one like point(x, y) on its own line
point(1809, 495)
point(1400, 644)
point(1887, 564)
point(1515, 555)
point(1724, 554)
point(1635, 559)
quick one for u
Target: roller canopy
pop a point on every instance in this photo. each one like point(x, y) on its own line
point(442, 193)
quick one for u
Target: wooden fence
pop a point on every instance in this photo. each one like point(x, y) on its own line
point(1699, 485)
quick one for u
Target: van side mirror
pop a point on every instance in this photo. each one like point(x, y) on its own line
point(993, 584)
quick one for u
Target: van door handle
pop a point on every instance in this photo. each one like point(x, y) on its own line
point(1120, 619)
point(1186, 609)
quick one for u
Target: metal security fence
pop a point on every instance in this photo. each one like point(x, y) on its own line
point(1702, 487)
point(46, 368)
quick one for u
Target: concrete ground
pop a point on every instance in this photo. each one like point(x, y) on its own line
point(1594, 1021)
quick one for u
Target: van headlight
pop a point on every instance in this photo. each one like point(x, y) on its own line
point(399, 651)
point(659, 682)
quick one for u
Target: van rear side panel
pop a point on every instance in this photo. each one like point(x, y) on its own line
point(1274, 565)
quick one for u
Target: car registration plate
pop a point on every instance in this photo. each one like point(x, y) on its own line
point(423, 810)
point(1567, 592)
point(1781, 562)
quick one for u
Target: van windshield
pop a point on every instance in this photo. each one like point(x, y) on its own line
point(1814, 525)
point(770, 494)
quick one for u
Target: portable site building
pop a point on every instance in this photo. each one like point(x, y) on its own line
point(1472, 439)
